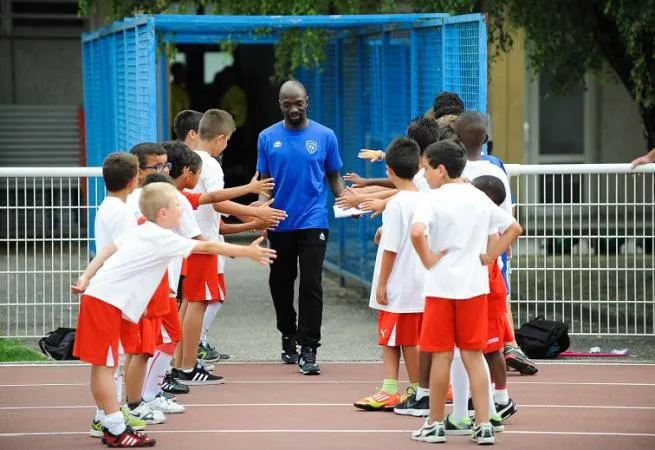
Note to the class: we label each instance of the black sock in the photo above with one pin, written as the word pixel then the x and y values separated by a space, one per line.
pixel 132 406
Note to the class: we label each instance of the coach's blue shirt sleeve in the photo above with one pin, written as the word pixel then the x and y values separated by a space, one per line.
pixel 262 155
pixel 332 158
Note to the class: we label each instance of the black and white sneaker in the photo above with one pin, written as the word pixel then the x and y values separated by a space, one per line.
pixel 198 377
pixel 413 407
pixel 307 363
pixel 506 411
pixel 289 350
pixel 462 427
pixel 483 434
pixel 172 386
pixel 433 433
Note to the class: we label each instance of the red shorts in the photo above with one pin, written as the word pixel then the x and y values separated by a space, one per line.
pixel 399 329
pixel 141 338
pixel 97 338
pixel 171 328
pixel 498 332
pixel 497 298
pixel 448 322
pixel 201 280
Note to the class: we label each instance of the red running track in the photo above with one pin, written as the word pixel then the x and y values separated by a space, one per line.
pixel 270 406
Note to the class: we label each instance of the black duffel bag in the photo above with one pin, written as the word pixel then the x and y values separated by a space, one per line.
pixel 541 338
pixel 58 344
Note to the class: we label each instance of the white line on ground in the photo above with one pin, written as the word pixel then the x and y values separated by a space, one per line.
pixel 558 433
pixel 318 381
pixel 268 405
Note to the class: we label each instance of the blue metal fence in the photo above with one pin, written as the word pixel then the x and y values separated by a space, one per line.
pixel 383 80
pixel 380 72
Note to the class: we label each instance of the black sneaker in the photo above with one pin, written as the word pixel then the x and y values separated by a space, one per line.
pixel 289 350
pixel 463 427
pixel 483 434
pixel 413 407
pixel 506 411
pixel 307 362
pixel 168 395
pixel 171 386
pixel 198 376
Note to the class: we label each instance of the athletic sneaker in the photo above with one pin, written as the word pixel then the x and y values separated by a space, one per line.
pixel 516 359
pixel 209 367
pixel 127 439
pixel 434 432
pixel 159 403
pixel 198 376
pixel 413 407
pixel 483 434
pixel 506 411
pixel 289 350
pixel 462 427
pixel 380 401
pixel 96 429
pixel 497 422
pixel 131 421
pixel 175 373
pixel 208 353
pixel 307 362
pixel 144 413
pixel 171 386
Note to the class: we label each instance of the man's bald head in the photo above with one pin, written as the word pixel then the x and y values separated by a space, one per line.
pixel 292 88
pixel 293 103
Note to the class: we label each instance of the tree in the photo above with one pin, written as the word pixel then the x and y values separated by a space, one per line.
pixel 568 38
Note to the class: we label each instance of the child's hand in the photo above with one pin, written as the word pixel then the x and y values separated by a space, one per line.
pixel 434 258
pixel 349 199
pixel 378 236
pixel 271 216
pixel 80 286
pixel 376 205
pixel 381 295
pixel 355 179
pixel 261 255
pixel 485 260
pixel 262 187
pixel 640 161
pixel 371 155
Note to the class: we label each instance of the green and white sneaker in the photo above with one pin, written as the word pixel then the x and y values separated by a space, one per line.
pixel 496 421
pixel 434 433
pixel 134 422
pixel 483 434
pixel 462 427
pixel 96 429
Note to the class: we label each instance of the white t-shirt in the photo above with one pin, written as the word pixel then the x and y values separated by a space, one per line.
pixel 130 276
pixel 187 228
pixel 113 219
pixel 420 182
pixel 459 218
pixel 133 202
pixel 211 179
pixel 405 284
pixel 476 169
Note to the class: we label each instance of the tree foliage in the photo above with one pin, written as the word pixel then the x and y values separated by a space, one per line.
pixel 567 38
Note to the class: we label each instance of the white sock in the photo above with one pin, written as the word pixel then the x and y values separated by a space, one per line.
pixel 501 396
pixel 118 380
pixel 459 381
pixel 114 422
pixel 208 320
pixel 490 397
pixel 422 392
pixel 100 414
pixel 155 372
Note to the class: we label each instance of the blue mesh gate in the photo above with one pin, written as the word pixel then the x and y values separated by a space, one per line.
pixel 380 71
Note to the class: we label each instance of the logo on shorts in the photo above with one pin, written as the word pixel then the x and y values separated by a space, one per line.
pixel 311 146
pixel 277 144
pixel 383 332
pixel 321 236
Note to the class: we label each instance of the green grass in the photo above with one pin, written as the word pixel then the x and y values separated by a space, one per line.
pixel 15 350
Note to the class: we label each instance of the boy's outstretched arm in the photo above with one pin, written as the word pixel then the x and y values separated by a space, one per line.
pixel 95 264
pixel 260 187
pixel 254 251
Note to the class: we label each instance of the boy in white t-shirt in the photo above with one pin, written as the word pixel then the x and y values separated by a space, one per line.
pixel 396 289
pixel 113 219
pixel 119 282
pixel 457 219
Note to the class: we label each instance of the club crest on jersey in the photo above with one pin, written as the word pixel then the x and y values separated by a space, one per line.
pixel 311 146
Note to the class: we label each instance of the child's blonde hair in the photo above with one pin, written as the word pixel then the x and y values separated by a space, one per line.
pixel 154 197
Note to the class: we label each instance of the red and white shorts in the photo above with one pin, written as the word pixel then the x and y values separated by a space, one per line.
pixel 499 332
pixel 399 329
pixel 141 338
pixel 171 328
pixel 449 322
pixel 97 338
pixel 202 282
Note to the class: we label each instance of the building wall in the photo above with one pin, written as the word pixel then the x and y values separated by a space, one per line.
pixel 506 102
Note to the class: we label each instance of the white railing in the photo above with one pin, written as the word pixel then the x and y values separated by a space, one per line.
pixel 586 257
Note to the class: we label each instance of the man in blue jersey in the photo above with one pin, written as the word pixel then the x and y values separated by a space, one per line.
pixel 303 157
